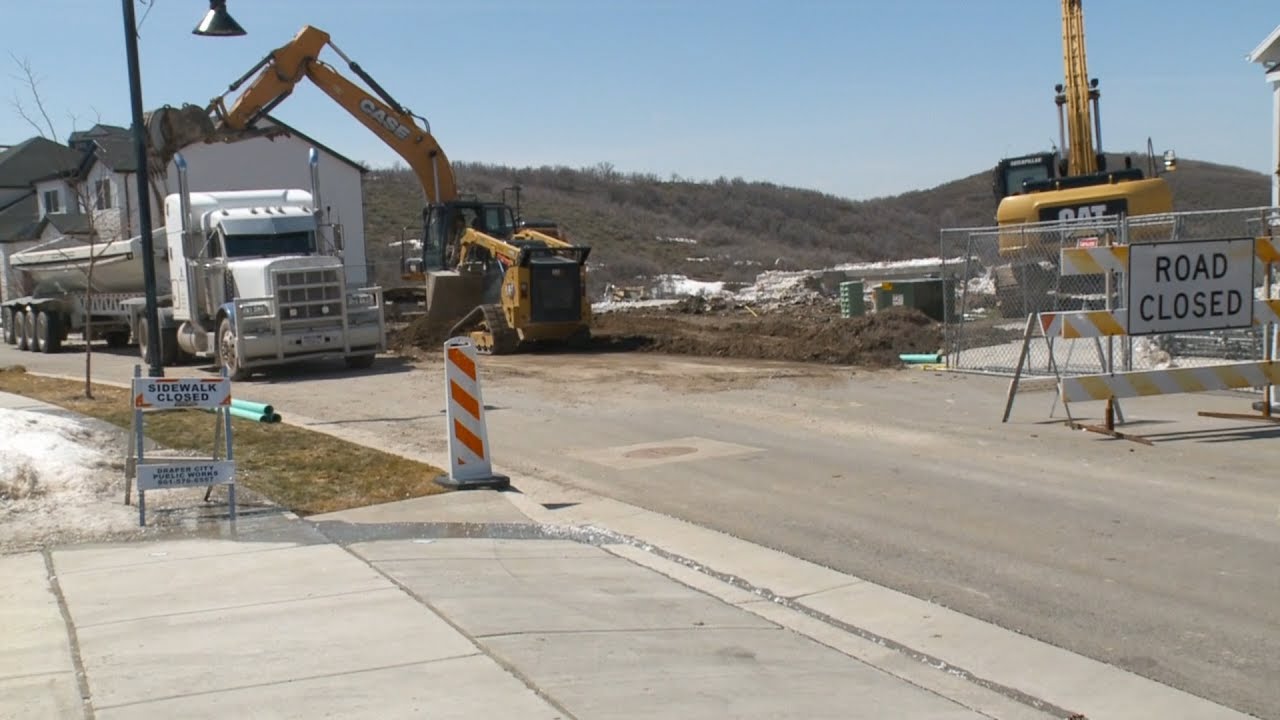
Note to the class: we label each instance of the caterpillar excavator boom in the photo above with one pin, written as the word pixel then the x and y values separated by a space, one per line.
pixel 500 283
pixel 1071 184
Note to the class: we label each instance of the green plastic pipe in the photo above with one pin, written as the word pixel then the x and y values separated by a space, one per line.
pixel 251 415
pixel 259 408
pixel 919 358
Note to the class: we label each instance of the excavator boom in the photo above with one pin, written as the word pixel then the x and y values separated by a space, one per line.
pixel 515 285
pixel 1081 159
pixel 299 59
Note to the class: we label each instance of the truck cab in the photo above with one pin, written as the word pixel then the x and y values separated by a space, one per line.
pixel 255 283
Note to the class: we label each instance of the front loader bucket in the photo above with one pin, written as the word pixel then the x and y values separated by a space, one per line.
pixel 452 295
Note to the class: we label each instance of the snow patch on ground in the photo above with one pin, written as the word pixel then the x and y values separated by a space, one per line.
pixel 60 478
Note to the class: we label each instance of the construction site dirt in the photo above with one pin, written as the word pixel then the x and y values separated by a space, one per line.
pixel 697 327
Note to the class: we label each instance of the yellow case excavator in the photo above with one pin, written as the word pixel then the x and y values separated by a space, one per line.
pixel 481 271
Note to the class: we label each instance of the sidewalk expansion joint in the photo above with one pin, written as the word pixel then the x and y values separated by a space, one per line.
pixel 304 678
pixel 612 631
pixel 480 646
pixel 73 640
pixel 224 608
pixel 161 559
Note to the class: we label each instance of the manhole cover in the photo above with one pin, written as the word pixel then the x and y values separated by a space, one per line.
pixel 657 453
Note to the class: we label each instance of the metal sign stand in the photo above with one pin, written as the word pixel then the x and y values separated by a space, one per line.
pixel 159 394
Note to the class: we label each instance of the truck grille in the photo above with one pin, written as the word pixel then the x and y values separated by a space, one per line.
pixel 309 295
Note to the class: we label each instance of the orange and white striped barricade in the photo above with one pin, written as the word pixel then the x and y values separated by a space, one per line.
pixel 470 463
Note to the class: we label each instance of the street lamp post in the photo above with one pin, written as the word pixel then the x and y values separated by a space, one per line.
pixel 218 23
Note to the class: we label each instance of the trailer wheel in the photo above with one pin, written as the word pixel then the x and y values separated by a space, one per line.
pixel 117 340
pixel 168 344
pixel 227 352
pixel 6 317
pixel 48 333
pixel 20 330
pixel 29 331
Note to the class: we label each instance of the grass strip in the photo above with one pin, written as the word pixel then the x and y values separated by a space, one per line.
pixel 305 471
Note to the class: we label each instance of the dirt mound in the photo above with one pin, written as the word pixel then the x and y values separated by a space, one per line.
pixel 714 327
pixel 812 334
pixel 421 334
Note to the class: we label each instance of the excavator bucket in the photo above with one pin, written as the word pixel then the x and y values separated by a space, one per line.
pixel 170 129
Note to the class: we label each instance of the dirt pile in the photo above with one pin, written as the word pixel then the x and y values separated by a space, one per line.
pixel 715 326
pixel 421 334
pixel 807 334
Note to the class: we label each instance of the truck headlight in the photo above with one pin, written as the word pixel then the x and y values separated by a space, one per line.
pixel 253 310
pixel 360 300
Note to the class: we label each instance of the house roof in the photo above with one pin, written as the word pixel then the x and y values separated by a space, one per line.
pixel 65 223
pixel 303 136
pixel 1268 52
pixel 18 219
pixel 109 144
pixel 36 159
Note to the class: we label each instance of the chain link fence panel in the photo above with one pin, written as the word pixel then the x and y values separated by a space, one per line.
pixel 1015 271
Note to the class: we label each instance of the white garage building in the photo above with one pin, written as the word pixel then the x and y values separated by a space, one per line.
pixel 1268 55
pixel 281 162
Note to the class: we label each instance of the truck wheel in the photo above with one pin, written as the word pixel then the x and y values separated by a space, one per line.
pixel 48 332
pixel 227 351
pixel 6 317
pixel 169 346
pixel 359 362
pixel 143 332
pixel 29 331
pixel 20 330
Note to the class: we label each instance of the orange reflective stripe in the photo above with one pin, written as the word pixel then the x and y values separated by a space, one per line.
pixel 468 438
pixel 464 363
pixel 464 399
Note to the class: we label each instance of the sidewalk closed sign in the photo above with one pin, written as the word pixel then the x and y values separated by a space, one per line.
pixel 174 393
pixel 1190 286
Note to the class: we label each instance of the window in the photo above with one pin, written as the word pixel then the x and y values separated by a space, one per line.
pixel 52 202
pixel 261 245
pixel 102 191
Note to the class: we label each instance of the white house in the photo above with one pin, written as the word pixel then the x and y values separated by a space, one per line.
pixel 21 166
pixel 106 185
pixel 1267 54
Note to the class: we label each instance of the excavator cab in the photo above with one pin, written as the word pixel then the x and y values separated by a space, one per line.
pixel 446 223
pixel 1012 175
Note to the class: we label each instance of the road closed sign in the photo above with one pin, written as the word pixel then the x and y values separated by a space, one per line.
pixel 1190 286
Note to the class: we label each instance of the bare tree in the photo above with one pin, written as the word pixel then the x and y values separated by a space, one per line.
pixel 85 194
pixel 27 77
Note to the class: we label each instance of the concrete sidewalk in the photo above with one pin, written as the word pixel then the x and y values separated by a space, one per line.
pixel 406 623
pixel 544 602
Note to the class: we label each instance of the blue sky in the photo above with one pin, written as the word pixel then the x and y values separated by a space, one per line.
pixel 858 98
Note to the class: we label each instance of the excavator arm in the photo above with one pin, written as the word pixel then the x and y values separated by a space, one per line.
pixel 1078 93
pixel 273 80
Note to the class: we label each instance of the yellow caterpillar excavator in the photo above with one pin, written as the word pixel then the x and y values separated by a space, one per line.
pixel 497 281
pixel 1047 187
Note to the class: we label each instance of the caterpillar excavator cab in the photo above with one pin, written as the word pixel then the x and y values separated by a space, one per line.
pixel 481 271
pixel 1073 185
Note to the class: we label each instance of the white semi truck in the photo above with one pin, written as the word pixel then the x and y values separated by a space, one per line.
pixel 254 280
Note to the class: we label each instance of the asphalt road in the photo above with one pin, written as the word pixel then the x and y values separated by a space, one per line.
pixel 1161 560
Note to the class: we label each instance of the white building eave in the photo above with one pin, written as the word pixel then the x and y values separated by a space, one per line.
pixel 1268 52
